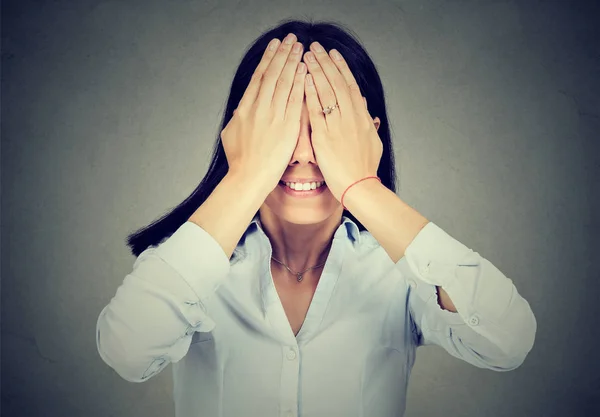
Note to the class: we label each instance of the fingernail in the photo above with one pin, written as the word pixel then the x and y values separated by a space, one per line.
pixel 273 44
pixel 310 57
pixel 317 47
pixel 289 39
pixel 297 48
pixel 336 55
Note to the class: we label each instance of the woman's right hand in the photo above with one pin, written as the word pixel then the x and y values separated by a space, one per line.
pixel 260 138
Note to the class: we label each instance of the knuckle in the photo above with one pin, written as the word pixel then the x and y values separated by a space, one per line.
pixel 239 114
pixel 224 135
pixel 281 81
pixel 255 108
pixel 338 84
pixel 256 77
pixel 268 75
pixel 292 60
pixel 353 87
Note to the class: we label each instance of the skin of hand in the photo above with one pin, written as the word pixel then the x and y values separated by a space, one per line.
pixel 345 142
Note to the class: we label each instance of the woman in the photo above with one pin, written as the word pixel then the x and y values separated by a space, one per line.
pixel 293 281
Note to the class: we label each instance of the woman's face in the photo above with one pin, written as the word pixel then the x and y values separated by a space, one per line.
pixel 303 207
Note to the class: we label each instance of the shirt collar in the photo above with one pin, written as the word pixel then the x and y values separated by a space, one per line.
pixel 347 230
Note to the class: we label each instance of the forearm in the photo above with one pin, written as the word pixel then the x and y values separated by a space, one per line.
pixel 150 320
pixel 228 211
pixel 161 303
pixel 392 222
pixel 482 318
pixel 493 327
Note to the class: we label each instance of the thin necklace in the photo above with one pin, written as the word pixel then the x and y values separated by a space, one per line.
pixel 298 274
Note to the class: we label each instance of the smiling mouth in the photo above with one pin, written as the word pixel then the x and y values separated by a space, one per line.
pixel 321 184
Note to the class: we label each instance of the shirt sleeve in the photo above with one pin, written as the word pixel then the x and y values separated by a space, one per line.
pixel 150 321
pixel 494 326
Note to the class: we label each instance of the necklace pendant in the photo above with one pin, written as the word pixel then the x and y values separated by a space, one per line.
pixel 299 277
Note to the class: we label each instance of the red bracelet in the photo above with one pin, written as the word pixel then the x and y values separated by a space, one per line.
pixel 366 178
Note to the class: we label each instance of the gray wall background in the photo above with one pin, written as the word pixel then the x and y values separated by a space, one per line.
pixel 109 112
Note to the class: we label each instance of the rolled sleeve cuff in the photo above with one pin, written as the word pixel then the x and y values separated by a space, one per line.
pixel 433 255
pixel 429 296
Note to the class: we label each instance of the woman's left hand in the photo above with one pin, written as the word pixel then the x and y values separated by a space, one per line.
pixel 345 142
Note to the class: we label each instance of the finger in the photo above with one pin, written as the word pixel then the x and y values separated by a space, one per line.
pixel 271 77
pixel 251 92
pixel 294 105
pixel 334 79
pixel 315 111
pixel 352 85
pixel 286 80
pixel 325 93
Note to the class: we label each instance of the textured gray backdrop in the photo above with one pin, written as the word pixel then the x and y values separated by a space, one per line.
pixel 109 112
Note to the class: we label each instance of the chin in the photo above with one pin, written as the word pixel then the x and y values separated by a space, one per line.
pixel 300 219
pixel 303 212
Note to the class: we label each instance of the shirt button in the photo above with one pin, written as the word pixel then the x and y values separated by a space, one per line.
pixel 474 320
pixel 424 269
pixel 291 355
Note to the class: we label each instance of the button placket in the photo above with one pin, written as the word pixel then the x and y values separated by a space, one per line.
pixel 290 375
pixel 291 354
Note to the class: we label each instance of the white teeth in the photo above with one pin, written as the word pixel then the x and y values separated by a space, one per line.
pixel 304 187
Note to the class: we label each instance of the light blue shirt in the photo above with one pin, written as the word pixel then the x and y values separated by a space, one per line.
pixel 221 324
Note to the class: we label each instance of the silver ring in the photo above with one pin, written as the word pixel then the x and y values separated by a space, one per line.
pixel 329 109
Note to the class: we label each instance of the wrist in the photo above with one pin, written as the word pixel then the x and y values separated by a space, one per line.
pixel 358 183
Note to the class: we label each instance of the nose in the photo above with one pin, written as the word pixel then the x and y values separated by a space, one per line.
pixel 304 153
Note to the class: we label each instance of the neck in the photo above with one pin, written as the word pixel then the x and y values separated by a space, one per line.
pixel 299 246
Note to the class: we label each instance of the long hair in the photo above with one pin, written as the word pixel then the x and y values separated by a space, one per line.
pixel 330 35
